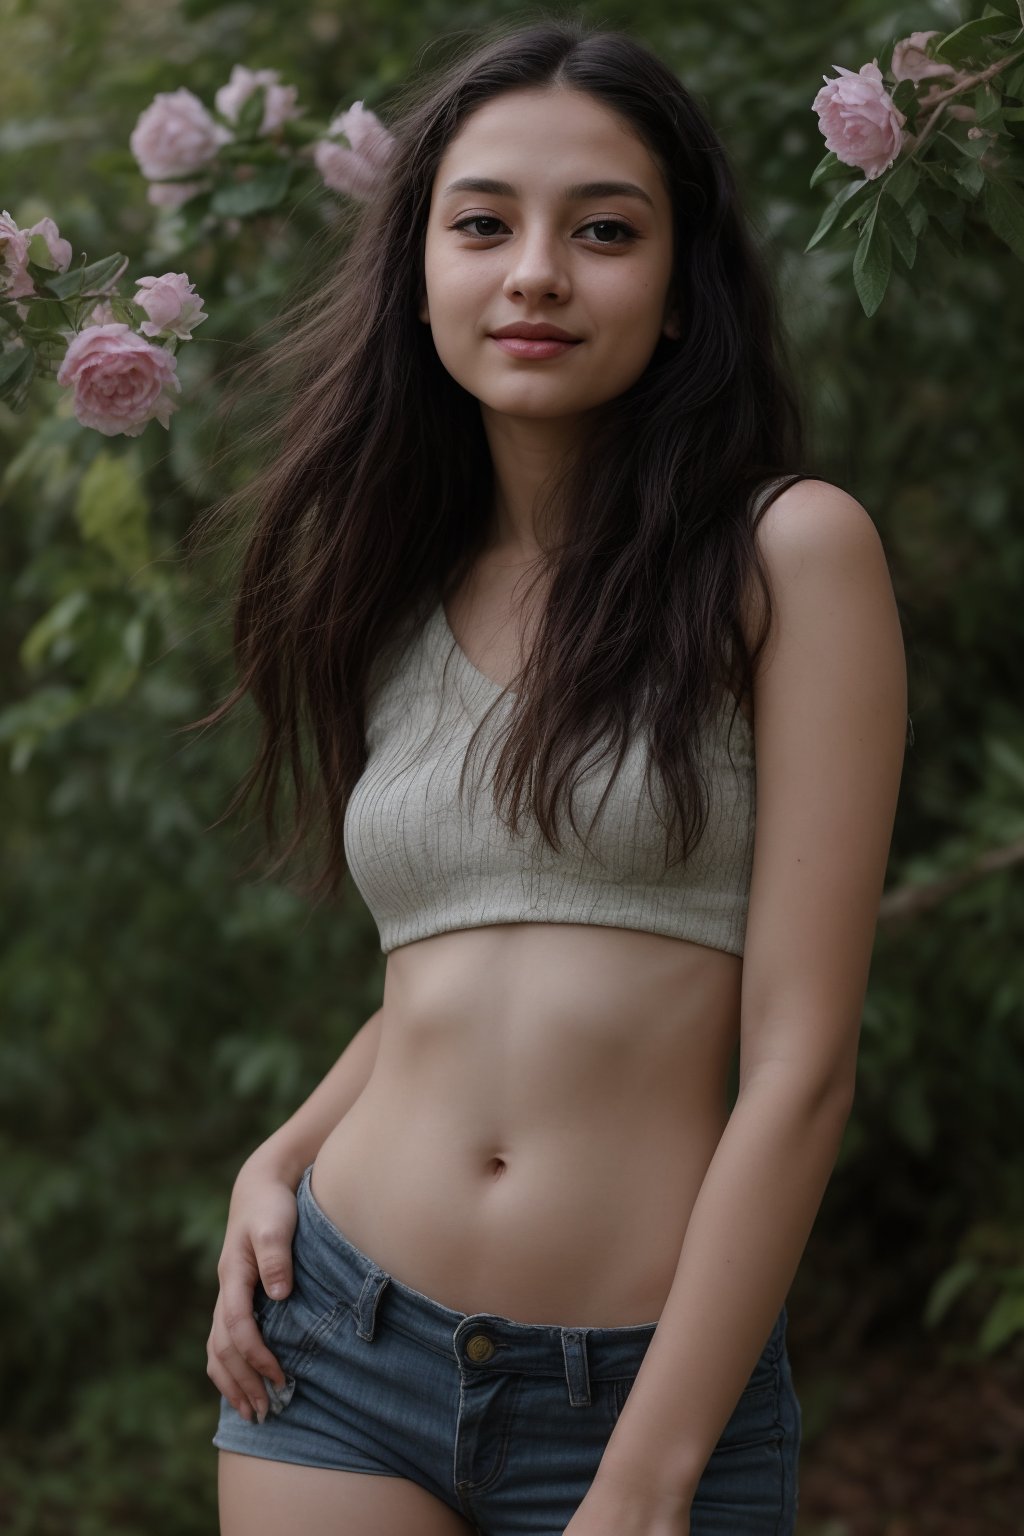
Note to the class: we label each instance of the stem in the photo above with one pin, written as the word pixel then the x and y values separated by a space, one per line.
pixel 938 102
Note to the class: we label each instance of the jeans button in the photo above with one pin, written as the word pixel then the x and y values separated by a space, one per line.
pixel 479 1348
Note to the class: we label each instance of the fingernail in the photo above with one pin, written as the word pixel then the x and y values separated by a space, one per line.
pixel 261 1411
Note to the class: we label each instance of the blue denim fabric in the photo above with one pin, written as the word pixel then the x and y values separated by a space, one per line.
pixel 504 1421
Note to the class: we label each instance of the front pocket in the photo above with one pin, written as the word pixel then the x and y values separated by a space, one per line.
pixel 754 1419
pixel 296 1328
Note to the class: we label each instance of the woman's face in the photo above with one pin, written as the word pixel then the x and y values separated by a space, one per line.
pixel 592 260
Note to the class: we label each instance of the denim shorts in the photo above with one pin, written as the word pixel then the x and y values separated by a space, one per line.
pixel 505 1422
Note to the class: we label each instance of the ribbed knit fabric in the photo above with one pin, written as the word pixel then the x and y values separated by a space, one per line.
pixel 426 864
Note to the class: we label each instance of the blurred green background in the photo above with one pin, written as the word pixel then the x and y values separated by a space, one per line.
pixel 163 1012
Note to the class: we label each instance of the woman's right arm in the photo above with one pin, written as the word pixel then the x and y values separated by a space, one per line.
pixel 261 1225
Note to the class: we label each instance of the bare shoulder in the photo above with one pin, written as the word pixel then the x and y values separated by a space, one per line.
pixel 810 522
pixel 815 510
pixel 834 623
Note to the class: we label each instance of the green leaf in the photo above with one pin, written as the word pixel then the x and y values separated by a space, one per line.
pixel 1005 758
pixel 25 723
pixel 250 118
pixel 1004 1320
pixel 830 167
pixel 46 340
pixel 849 197
pixel 857 204
pixel 971 178
pixel 266 189
pixel 963 43
pixel 987 105
pixel 902 181
pixel 825 223
pixel 17 366
pixel 53 632
pixel 95 279
pixel 908 274
pixel 972 149
pixel 904 94
pixel 946 212
pixel 898 225
pixel 111 508
pixel 950 1284
pixel 1003 206
pixel 251 152
pixel 111 652
pixel 872 262
pixel 917 216
pixel 883 57
pixel 47 314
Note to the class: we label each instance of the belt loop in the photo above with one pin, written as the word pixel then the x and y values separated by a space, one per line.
pixel 577 1376
pixel 365 1306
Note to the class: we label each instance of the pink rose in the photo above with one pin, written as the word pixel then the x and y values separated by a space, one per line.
pixel 356 171
pixel 59 248
pixel 911 62
pixel 120 381
pixel 857 117
pixel 175 134
pixel 278 104
pixel 15 282
pixel 171 303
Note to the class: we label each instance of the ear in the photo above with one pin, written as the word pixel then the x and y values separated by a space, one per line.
pixel 423 311
pixel 671 326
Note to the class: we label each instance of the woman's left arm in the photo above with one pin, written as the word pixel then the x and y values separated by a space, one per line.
pixel 830 703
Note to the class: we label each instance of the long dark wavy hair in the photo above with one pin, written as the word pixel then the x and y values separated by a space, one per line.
pixel 368 508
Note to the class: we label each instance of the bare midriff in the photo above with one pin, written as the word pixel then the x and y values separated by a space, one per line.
pixel 543 1108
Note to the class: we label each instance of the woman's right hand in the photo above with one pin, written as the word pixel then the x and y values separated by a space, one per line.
pixel 257 1246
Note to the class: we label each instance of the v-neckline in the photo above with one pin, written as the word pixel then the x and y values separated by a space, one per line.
pixel 464 659
pixel 727 701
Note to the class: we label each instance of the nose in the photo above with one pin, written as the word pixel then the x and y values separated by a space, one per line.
pixel 536 268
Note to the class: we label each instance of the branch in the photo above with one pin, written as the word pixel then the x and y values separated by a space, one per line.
pixel 937 101
pixel 911 900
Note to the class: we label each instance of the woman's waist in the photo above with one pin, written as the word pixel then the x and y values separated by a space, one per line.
pixel 564 1219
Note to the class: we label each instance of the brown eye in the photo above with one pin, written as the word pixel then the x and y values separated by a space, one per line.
pixel 479 218
pixel 613 224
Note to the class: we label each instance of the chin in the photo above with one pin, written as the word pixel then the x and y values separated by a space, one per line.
pixel 552 409
pixel 543 396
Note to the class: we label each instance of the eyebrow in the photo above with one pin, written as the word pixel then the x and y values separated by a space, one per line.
pixel 578 190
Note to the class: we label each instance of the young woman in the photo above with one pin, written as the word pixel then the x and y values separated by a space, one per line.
pixel 542 608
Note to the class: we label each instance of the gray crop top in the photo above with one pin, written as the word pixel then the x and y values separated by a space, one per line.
pixel 425 864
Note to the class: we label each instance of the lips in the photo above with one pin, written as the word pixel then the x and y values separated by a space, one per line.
pixel 534 346
pixel 529 331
